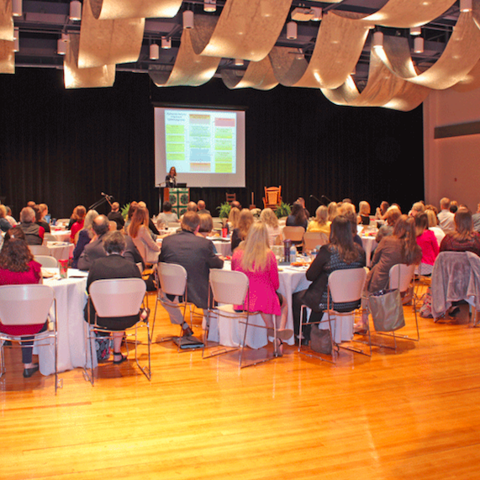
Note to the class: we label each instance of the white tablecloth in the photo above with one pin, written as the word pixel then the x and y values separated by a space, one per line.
pixel 71 297
pixel 369 243
pixel 60 250
pixel 61 235
pixel 230 332
pixel 224 248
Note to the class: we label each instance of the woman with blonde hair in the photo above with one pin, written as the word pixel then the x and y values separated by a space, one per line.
pixel 332 211
pixel 433 225
pixel 364 213
pixel 320 223
pixel 140 234
pixel 270 220
pixel 233 218
pixel 254 258
pixel 84 236
pixel 245 221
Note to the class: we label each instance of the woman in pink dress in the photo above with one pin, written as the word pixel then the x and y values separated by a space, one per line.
pixel 254 258
pixel 17 267
pixel 427 241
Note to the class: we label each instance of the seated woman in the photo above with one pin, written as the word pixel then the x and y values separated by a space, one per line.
pixel 233 218
pixel 40 212
pixel 392 215
pixel 400 247
pixel 84 236
pixel 79 215
pixel 254 258
pixel 131 210
pixel 140 234
pixel 270 220
pixel 239 234
pixel 433 224
pixel 297 217
pixel 427 242
pixel 206 227
pixel 364 213
pixel 167 216
pixel 17 267
pixel 4 223
pixel 114 265
pixel 332 211
pixel 340 254
pixel 320 223
pixel 463 238
pixel 382 210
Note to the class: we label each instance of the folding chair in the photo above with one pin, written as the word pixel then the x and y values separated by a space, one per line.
pixel 116 297
pixel 312 240
pixel 46 261
pixel 29 305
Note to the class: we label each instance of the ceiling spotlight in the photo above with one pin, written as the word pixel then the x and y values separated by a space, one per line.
pixel 418 45
pixel 187 19
pixel 210 5
pixel 154 52
pixel 465 6
pixel 291 30
pixel 75 10
pixel 166 42
pixel 317 14
pixel 239 62
pixel 17 8
pixel 61 46
pixel 377 40
pixel 415 31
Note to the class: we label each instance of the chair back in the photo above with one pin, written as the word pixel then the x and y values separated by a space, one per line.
pixel 117 297
pixel 46 261
pixel 347 285
pixel 295 234
pixel 272 196
pixel 173 278
pixel 314 239
pixel 25 304
pixel 400 276
pixel 229 287
pixel 39 250
pixel 231 197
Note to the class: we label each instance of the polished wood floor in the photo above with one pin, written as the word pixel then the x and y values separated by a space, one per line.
pixel 413 414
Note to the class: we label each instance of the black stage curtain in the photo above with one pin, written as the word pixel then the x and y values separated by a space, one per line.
pixel 65 147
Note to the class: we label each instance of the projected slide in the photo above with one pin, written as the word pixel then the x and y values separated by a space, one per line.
pixel 207 147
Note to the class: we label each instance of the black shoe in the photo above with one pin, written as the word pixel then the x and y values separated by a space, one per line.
pixel 186 332
pixel 122 358
pixel 28 372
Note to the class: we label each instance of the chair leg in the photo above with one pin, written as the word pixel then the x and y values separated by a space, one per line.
pixel 2 361
pixel 147 371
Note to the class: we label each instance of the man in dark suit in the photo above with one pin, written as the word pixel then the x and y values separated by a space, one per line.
pixel 116 216
pixel 196 255
pixel 95 249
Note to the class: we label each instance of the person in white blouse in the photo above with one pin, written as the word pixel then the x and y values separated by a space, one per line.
pixel 269 218
pixel 138 231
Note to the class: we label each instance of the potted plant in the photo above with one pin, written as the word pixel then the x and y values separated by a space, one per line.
pixel 283 210
pixel 224 210
pixel 125 210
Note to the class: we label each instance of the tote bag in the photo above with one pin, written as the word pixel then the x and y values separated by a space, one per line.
pixel 387 310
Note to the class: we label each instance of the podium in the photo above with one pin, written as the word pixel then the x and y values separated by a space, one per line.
pixel 179 198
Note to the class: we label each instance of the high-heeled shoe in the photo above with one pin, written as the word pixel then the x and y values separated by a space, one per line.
pixel 279 350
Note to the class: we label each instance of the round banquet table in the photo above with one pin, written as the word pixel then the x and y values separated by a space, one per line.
pixel 61 235
pixel 230 332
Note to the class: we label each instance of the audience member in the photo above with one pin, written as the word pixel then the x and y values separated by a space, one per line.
pixel 301 201
pixel 131 210
pixel 236 204
pixel 201 207
pixel 79 215
pixel 196 255
pixel 453 206
pixel 140 234
pixel 270 220
pixel 364 213
pixel 254 258
pixel 332 211
pixel 113 265
pixel 382 210
pixel 445 216
pixel 297 217
pixel 476 219
pixel 233 218
pixel 33 232
pixel 427 242
pixel 239 234
pixel 9 217
pixel 205 228
pixel 392 215
pixel 116 215
pixel 320 222
pixel 4 223
pixel 39 220
pixel 151 226
pixel 167 216
pixel 84 236
pixel 433 225
pixel 463 238
pixel 17 267
pixel 417 209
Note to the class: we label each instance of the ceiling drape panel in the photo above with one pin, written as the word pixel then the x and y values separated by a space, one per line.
pixel 383 89
pixel 106 42
pixel 7 57
pixel 113 9
pixel 408 13
pixel 338 47
pixel 6 20
pixel 460 56
pixel 245 29
pixel 189 70
pixel 259 75
pixel 471 81
pixel 75 77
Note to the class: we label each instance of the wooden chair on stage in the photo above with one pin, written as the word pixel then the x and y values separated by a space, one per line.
pixel 272 197
pixel 231 197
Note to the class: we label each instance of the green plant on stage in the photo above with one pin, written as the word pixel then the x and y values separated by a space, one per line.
pixel 283 210
pixel 125 210
pixel 224 210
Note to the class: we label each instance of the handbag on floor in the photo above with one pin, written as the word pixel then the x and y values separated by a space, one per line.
pixel 321 340
pixel 387 310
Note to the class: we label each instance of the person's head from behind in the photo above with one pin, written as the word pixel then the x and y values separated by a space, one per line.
pixel 332 211
pixel 432 218
pixel 15 232
pixel 445 203
pixel 100 225
pixel 114 243
pixel 421 223
pixel 233 216
pixel 131 210
pixel 404 226
pixel 201 205
pixel 139 219
pixel 115 207
pixel 89 218
pixel 364 208
pixel 190 221
pixel 352 218
pixel 167 207
pixel 321 215
pixel 191 207
pixel 417 209
pixel 38 213
pixel 245 221
pixel 79 213
pixel 297 209
pixel 27 215
pixel 269 218
pixel 43 209
pixel 341 236
pixel 453 206
pixel 346 207
pixel 206 224
pixel 236 204
pixel 31 204
pixel 393 214
pixel 15 255
pixel 384 207
pixel 3 211
pixel 463 222
pixel 255 247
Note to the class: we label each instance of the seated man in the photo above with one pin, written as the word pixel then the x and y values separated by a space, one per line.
pixel 196 255
pixel 445 216
pixel 95 249
pixel 202 208
pixel 167 216
pixel 33 232
pixel 116 216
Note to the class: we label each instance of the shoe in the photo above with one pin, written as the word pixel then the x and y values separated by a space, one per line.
pixel 279 352
pixel 187 332
pixel 28 372
pixel 122 359
pixel 144 314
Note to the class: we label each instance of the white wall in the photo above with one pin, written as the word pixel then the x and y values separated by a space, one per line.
pixel 452 165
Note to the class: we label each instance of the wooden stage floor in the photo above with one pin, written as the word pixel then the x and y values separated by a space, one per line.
pixel 413 414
